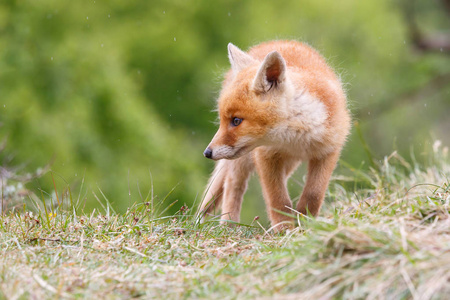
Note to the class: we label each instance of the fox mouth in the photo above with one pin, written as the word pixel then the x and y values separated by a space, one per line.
pixel 226 152
pixel 241 151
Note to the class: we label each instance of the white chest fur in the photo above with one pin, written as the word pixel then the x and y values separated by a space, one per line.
pixel 303 128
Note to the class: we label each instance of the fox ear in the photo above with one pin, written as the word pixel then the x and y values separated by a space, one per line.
pixel 272 73
pixel 239 60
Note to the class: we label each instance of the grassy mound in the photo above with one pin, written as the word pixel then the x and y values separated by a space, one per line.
pixel 390 239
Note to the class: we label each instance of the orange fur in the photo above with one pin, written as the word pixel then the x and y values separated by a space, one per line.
pixel 290 108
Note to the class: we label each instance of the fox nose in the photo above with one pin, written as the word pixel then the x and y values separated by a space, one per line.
pixel 208 153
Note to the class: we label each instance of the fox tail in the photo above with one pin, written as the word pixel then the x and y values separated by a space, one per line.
pixel 213 195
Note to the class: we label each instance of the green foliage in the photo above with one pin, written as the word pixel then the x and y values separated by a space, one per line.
pixel 111 91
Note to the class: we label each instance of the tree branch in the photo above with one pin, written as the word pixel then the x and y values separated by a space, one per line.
pixel 435 43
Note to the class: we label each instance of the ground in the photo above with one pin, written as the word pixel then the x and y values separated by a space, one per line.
pixel 388 236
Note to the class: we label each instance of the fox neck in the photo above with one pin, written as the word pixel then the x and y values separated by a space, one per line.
pixel 303 123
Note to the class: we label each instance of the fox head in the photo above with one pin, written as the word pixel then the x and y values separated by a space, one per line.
pixel 249 104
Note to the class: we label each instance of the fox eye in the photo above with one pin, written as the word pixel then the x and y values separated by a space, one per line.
pixel 236 121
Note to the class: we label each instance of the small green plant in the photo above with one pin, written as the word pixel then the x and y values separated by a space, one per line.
pixel 14 194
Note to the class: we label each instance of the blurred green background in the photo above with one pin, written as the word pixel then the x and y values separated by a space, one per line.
pixel 121 93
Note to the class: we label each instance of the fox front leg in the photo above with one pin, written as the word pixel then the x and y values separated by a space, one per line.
pixel 271 169
pixel 235 185
pixel 319 174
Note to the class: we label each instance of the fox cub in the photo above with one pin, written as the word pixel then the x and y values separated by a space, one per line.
pixel 280 104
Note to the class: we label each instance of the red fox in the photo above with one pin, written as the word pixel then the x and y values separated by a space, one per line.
pixel 280 104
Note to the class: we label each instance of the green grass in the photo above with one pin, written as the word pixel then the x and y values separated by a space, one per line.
pixel 387 237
